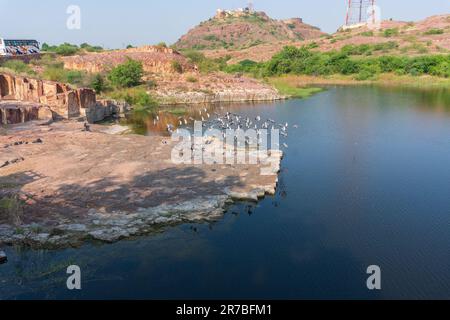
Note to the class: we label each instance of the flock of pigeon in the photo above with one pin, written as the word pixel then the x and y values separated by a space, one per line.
pixel 232 121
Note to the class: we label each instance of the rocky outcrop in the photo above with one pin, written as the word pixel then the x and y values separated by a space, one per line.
pixel 155 59
pixel 230 95
pixel 24 99
pixel 20 112
pixel 64 101
pixel 104 109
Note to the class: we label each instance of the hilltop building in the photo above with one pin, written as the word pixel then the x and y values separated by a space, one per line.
pixel 240 12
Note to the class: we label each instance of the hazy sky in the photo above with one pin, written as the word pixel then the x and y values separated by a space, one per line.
pixel 116 23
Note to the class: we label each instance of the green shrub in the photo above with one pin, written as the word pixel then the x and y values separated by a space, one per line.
pixel 98 83
pixel 54 74
pixel 312 45
pixel 195 56
pixel 386 46
pixel 303 61
pixel 364 75
pixel 204 64
pixel 177 67
pixel 74 77
pixel 137 96
pixel 434 31
pixel 244 66
pixel 128 74
pixel 388 33
pixel 367 34
pixel 191 79
pixel 210 37
pixel 18 66
pixel 90 48
pixel 67 49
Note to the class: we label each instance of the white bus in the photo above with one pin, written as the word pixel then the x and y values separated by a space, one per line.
pixel 11 48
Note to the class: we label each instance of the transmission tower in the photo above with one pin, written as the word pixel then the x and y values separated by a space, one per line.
pixel 360 11
pixel 250 6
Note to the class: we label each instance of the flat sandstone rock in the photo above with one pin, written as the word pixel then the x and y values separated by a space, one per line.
pixel 77 185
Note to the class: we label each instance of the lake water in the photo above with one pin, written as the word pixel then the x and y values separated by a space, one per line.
pixel 365 181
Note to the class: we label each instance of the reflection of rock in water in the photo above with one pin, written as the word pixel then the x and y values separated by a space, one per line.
pixel 181 116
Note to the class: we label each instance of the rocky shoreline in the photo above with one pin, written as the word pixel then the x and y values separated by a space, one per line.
pixel 126 188
pixel 227 96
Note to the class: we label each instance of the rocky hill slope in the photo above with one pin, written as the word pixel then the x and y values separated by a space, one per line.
pixel 155 59
pixel 174 78
pixel 244 29
pixel 429 36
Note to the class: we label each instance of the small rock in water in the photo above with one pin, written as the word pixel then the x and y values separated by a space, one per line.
pixel 3 258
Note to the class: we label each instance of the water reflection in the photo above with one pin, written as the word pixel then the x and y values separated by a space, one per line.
pixel 156 122
pixel 365 181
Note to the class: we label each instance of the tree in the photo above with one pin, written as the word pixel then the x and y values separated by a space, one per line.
pixel 98 83
pixel 128 74
pixel 67 49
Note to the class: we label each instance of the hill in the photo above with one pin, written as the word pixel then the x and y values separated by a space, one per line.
pixel 429 36
pixel 243 29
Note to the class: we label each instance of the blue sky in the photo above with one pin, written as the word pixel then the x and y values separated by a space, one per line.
pixel 116 23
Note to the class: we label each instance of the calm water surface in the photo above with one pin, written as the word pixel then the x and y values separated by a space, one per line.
pixel 366 180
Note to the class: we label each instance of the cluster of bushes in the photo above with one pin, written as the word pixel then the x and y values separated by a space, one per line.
pixel 302 61
pixel 124 82
pixel 67 49
pixel 127 75
pixel 244 66
pixel 136 96
pixel 434 31
pixel 388 33
pixel 206 65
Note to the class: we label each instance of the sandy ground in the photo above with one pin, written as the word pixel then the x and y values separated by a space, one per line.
pixel 69 180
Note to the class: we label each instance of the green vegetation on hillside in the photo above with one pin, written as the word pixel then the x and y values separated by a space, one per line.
pixel 350 60
pixel 18 66
pixel 67 49
pixel 206 65
pixel 434 31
